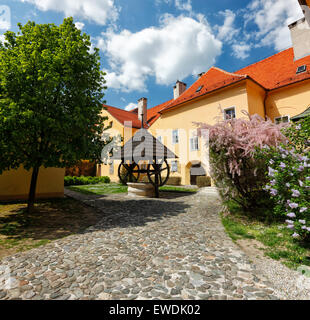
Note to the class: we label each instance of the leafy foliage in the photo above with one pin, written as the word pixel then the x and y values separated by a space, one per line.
pixel 234 167
pixel 289 178
pixel 77 181
pixel 51 91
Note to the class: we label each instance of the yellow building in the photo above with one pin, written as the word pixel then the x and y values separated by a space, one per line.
pixel 277 87
pixel 15 184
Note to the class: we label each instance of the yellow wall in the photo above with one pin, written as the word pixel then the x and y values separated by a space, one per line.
pixel 207 110
pixel 15 184
pixel 116 129
pixel 256 97
pixel 244 96
pixel 288 101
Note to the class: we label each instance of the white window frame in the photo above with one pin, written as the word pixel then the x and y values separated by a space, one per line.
pixel 280 118
pixel 194 143
pixel 230 108
pixel 174 166
pixel 175 141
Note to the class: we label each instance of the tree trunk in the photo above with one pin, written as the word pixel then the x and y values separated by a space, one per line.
pixel 32 191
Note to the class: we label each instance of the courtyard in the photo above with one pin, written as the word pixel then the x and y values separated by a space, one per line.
pixel 167 248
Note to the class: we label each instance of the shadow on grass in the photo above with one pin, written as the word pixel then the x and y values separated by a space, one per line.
pixel 51 219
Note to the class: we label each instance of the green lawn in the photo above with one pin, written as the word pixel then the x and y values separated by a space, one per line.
pixel 100 189
pixel 109 188
pixel 279 244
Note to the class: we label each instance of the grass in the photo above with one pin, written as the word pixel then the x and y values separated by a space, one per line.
pixel 51 219
pixel 100 189
pixel 110 188
pixel 277 240
pixel 178 189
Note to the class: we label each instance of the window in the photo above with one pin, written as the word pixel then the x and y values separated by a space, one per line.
pixel 282 119
pixel 174 166
pixel 175 136
pixel 159 138
pixel 199 89
pixel 301 69
pixel 229 113
pixel 194 143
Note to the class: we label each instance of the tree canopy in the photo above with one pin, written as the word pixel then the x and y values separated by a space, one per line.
pixel 51 91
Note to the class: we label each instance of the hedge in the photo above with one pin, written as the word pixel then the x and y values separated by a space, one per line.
pixel 76 181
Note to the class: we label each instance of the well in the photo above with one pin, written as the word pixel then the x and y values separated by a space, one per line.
pixel 140 189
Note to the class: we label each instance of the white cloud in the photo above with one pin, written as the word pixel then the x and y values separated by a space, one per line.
pixel 158 2
pixel 179 47
pixel 5 17
pixel 241 51
pixel 184 5
pixel 80 25
pixel 93 10
pixel 271 18
pixel 227 31
pixel 131 106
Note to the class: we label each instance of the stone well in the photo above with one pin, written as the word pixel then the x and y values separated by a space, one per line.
pixel 140 189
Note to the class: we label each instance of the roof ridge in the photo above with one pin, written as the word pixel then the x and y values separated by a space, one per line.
pixel 119 108
pixel 229 73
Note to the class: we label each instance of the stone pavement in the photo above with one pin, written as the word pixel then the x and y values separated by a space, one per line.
pixel 169 248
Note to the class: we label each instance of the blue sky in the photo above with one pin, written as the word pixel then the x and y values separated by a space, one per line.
pixel 146 45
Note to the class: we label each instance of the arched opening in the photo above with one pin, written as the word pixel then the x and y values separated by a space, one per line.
pixel 195 169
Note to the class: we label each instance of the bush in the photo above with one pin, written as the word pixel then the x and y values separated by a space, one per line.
pixel 203 181
pixel 289 178
pixel 234 168
pixel 76 181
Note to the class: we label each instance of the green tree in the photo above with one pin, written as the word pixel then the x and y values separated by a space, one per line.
pixel 51 91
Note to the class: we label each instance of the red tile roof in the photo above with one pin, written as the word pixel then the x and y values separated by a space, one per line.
pixel 278 70
pixel 154 113
pixel 123 115
pixel 212 80
pixel 271 73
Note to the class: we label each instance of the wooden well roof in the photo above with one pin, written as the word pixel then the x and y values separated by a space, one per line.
pixel 143 146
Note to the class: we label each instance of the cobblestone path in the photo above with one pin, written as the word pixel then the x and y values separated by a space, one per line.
pixel 169 248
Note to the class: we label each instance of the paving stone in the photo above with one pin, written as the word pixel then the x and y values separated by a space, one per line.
pixel 174 247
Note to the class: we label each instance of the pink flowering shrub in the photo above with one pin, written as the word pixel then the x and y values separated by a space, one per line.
pixel 233 145
pixel 289 178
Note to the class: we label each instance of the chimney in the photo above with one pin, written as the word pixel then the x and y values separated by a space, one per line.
pixel 201 74
pixel 300 34
pixel 305 7
pixel 142 111
pixel 178 89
